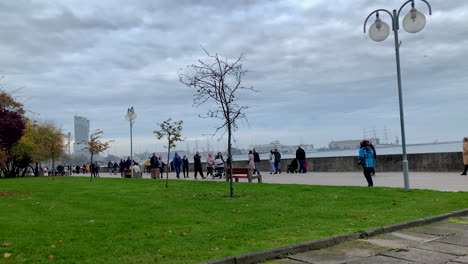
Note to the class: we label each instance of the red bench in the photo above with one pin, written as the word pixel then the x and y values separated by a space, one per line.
pixel 242 173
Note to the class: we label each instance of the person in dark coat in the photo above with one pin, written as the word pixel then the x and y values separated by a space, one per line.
pixel 128 163
pixel 121 167
pixel 177 162
pixel 301 158
pixel 197 166
pixel 256 162
pixel 185 166
pixel 277 161
pixel 154 161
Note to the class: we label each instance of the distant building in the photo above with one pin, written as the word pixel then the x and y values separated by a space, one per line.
pixel 350 144
pixel 81 133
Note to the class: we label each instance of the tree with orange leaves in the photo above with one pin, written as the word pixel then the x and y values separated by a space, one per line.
pixel 94 144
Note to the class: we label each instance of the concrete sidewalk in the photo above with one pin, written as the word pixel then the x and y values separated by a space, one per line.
pixel 441 242
pixel 441 181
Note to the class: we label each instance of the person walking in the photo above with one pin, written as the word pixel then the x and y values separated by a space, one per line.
pixel 366 157
pixel 177 163
pixel 465 155
pixel 185 166
pixel 154 164
pixel 209 165
pixel 110 167
pixel 116 167
pixel 197 166
pixel 301 158
pixel 272 162
pixel 121 168
pixel 251 162
pixel 277 161
pixel 256 162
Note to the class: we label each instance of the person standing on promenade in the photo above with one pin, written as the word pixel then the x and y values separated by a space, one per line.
pixel 301 158
pixel 256 162
pixel 209 165
pixel 465 155
pixel 110 167
pixel 251 162
pixel 161 166
pixel 366 156
pixel 197 167
pixel 272 162
pixel 277 161
pixel 154 164
pixel 177 162
pixel 185 166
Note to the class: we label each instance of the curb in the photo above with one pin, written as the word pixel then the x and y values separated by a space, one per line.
pixel 273 253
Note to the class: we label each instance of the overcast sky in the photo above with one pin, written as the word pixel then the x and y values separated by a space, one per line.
pixel 319 76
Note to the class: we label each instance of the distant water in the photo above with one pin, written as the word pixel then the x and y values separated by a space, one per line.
pixel 433 148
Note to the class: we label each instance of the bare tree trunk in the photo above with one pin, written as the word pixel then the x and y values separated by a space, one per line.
pixel 231 183
pixel 168 163
pixel 91 167
pixel 53 169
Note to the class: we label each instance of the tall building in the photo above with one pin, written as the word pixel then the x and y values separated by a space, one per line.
pixel 81 133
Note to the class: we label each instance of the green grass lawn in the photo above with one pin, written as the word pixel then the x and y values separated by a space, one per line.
pixel 140 221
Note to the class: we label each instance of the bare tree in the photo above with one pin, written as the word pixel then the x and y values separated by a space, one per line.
pixel 220 81
pixel 95 146
pixel 170 130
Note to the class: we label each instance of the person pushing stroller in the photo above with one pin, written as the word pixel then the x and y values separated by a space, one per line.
pixel 219 166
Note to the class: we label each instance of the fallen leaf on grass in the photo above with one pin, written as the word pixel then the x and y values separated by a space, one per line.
pixel 52 206
pixel 92 221
pixel 394 203
pixel 183 234
pixel 60 241
pixel 6 255
pixel 53 246
pixel 5 244
pixel 215 249
pixel 275 241
pixel 50 257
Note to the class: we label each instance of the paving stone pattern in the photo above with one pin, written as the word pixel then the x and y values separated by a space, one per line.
pixel 441 242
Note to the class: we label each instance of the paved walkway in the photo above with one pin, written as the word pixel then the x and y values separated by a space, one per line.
pixel 442 181
pixel 441 242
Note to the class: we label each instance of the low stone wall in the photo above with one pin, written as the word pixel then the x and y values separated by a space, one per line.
pixel 430 162
pixel 424 162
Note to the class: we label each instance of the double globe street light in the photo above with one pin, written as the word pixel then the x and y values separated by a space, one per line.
pixel 131 116
pixel 413 22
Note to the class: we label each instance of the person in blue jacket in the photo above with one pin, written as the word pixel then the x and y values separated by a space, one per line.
pixel 366 158
pixel 177 162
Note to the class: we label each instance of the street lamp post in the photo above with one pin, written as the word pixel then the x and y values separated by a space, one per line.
pixel 69 154
pixel 413 22
pixel 131 116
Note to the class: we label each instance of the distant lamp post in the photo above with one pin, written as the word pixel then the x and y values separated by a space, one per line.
pixel 69 154
pixel 131 116
pixel 413 22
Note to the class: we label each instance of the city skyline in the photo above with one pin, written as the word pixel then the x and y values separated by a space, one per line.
pixel 320 78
